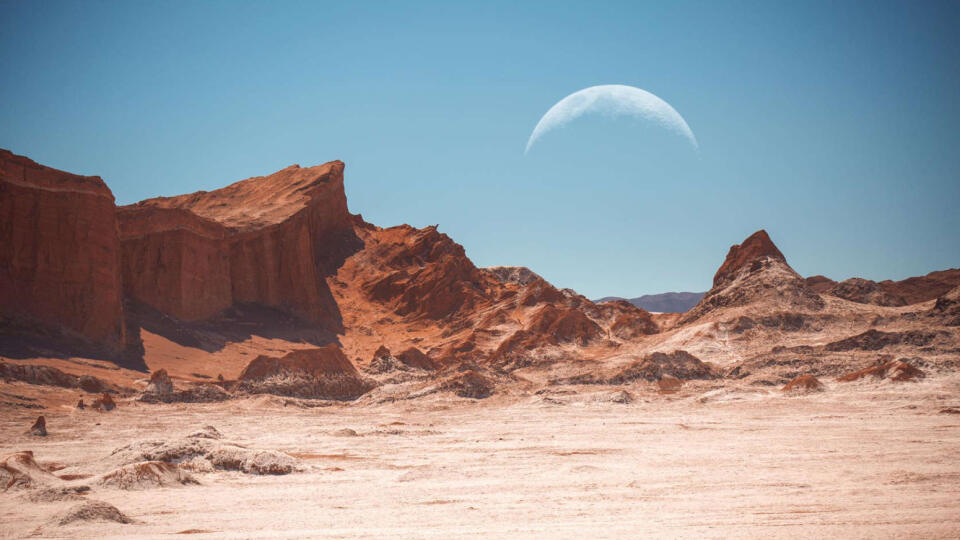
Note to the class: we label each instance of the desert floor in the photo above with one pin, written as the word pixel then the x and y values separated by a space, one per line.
pixel 870 460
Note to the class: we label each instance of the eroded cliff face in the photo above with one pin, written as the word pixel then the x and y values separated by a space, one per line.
pixel 269 240
pixel 175 261
pixel 59 252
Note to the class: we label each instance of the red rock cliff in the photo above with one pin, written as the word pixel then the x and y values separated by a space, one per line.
pixel 59 251
pixel 269 240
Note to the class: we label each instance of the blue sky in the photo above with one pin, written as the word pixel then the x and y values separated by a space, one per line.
pixel 832 125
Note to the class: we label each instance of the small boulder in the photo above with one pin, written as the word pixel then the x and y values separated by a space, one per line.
pixel 414 358
pixel 104 403
pixel 81 405
pixel 39 427
pixel 160 383
pixel 804 384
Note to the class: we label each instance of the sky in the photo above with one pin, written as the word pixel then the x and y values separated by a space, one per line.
pixel 832 125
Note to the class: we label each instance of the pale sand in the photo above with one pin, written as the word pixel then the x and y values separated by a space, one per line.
pixel 866 460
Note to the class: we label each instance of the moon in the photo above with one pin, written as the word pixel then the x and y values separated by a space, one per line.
pixel 612 100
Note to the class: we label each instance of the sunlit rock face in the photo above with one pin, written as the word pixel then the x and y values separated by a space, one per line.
pixel 59 252
pixel 269 240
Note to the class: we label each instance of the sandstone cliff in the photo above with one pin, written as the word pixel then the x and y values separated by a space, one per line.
pixel 268 240
pixel 59 253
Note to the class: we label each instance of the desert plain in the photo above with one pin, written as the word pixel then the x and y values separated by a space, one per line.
pixel 875 460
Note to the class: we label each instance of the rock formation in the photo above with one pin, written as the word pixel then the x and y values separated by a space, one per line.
pixel 39 428
pixel 269 240
pixel 891 293
pixel 59 253
pixel 104 403
pixel 309 373
pixel 894 370
pixel 19 470
pixel 947 308
pixel 865 291
pixel 753 272
pixel 51 376
pixel 160 383
pixel 924 288
pixel 803 384
pixel 147 474
pixel 91 511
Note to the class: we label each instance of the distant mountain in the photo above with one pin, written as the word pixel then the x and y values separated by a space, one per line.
pixel 671 302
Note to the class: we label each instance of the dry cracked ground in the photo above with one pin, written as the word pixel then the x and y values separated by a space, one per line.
pixel 870 459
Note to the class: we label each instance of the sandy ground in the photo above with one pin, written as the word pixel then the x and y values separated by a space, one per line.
pixel 865 460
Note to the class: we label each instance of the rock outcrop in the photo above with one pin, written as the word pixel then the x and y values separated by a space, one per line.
pixel 864 291
pixel 323 373
pixel 756 272
pixel 924 288
pixel 20 470
pixel 175 261
pixel 819 284
pixel 104 403
pixel 804 384
pixel 947 308
pixel 674 366
pixel 888 292
pixel 60 254
pixel 39 428
pixel 894 370
pixel 51 376
pixel 268 240
pixel 91 511
pixel 147 474
pixel 160 383
pixel 205 454
pixel 422 274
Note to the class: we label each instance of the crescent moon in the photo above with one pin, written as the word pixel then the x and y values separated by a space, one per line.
pixel 613 100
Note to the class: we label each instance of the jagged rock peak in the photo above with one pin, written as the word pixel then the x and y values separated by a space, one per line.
pixel 756 247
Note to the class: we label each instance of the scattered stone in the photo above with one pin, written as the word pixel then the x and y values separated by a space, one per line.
pixel 39 428
pixel 81 405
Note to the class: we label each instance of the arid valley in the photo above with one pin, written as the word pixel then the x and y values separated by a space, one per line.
pixel 256 361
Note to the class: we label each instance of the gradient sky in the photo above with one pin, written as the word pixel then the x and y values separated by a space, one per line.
pixel 832 125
